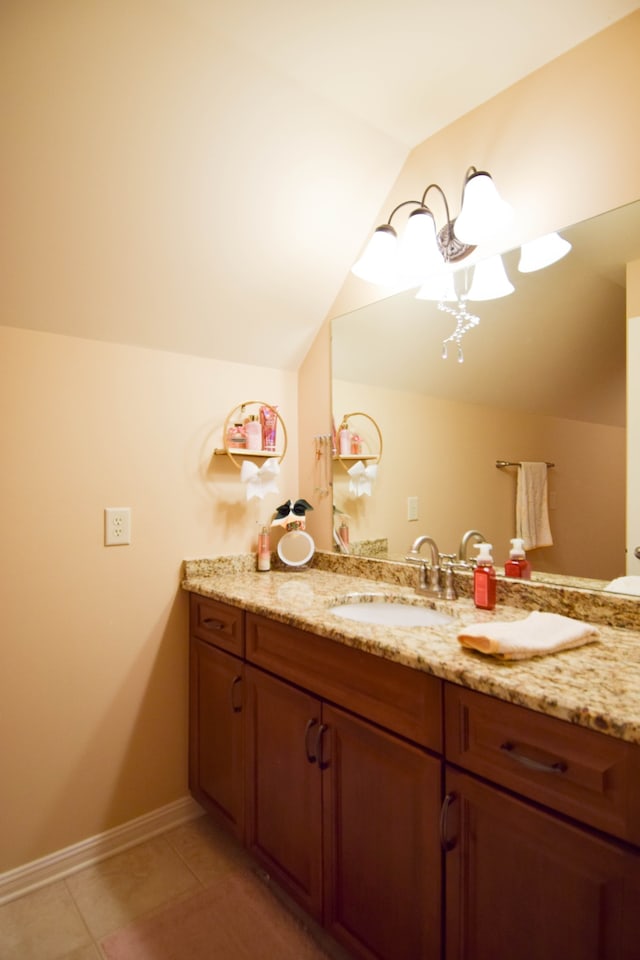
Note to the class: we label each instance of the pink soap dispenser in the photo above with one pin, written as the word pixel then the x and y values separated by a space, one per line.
pixel 484 578
pixel 517 565
pixel 264 549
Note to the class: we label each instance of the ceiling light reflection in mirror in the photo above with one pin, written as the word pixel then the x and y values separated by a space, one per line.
pixel 554 349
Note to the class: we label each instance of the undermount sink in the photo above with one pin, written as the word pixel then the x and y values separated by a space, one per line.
pixel 390 613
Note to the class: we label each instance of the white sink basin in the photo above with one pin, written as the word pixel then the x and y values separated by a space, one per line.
pixel 390 613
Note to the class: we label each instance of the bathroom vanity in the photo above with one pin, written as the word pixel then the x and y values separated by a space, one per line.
pixel 417 799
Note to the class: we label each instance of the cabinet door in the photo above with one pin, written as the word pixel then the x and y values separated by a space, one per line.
pixel 216 733
pixel 523 883
pixel 381 804
pixel 283 793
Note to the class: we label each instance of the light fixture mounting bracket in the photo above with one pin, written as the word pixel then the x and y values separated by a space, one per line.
pixel 450 247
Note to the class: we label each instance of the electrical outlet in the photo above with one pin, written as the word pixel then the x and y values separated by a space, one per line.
pixel 412 508
pixel 117 526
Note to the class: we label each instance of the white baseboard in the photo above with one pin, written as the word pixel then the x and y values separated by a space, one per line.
pixel 15 883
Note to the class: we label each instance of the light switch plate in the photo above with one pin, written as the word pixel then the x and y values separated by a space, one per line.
pixel 412 508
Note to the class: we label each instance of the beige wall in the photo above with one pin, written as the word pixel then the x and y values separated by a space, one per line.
pixel 459 487
pixel 93 683
pixel 633 416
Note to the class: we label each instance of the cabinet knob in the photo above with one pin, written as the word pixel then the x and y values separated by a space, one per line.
pixel 636 553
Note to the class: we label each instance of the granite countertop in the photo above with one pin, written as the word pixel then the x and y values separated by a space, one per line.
pixel 595 686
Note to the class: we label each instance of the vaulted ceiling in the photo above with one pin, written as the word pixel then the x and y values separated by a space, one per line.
pixel 198 175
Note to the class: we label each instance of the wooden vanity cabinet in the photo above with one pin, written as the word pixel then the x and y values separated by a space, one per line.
pixel 330 764
pixel 523 880
pixel 343 813
pixel 216 725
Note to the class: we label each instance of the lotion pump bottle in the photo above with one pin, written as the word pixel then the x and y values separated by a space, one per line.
pixel 484 578
pixel 253 432
pixel 517 565
pixel 344 439
pixel 264 550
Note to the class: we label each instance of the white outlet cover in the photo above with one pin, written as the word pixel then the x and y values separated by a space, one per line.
pixel 412 508
pixel 117 526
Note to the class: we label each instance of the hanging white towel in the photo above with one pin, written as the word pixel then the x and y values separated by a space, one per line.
pixel 535 635
pixel 532 511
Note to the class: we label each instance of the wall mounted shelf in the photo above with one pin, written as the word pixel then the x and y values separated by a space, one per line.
pixel 237 414
pixel 354 457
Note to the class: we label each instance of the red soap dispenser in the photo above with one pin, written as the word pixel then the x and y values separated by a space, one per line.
pixel 484 578
pixel 517 565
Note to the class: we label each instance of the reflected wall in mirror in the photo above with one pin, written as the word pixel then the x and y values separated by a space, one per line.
pixel 544 378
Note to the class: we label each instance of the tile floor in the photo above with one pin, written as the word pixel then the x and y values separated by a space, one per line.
pixel 66 919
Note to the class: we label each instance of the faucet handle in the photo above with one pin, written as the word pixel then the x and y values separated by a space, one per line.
pixel 414 557
pixel 449 583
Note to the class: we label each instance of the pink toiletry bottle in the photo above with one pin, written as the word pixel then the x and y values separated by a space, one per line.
pixel 517 565
pixel 253 432
pixel 484 578
pixel 264 550
pixel 344 439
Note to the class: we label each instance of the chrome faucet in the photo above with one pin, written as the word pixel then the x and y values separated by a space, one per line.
pixel 466 540
pixel 432 587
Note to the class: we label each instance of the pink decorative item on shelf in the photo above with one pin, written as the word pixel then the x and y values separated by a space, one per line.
pixel 269 422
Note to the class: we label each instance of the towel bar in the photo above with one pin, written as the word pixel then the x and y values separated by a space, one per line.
pixel 516 463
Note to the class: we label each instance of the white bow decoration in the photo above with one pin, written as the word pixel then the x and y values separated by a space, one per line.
pixel 260 480
pixel 362 478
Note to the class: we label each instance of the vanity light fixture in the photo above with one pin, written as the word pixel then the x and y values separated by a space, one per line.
pixel 542 252
pixel 422 247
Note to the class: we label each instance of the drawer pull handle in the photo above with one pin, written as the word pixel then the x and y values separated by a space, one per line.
pixel 210 624
pixel 323 764
pixel 236 707
pixel 311 757
pixel 510 748
pixel 447 843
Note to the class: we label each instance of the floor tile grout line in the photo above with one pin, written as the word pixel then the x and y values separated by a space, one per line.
pixel 81 915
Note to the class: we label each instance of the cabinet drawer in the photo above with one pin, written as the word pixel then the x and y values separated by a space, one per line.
pixel 403 700
pixel 581 773
pixel 217 623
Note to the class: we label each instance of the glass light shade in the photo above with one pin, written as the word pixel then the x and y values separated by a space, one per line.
pixel 542 252
pixel 378 261
pixel 439 287
pixel 490 280
pixel 483 213
pixel 418 252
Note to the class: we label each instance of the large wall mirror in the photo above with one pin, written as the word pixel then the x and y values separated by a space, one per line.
pixel 543 378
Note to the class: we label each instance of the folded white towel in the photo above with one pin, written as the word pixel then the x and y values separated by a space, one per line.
pixel 624 585
pixel 532 512
pixel 537 634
